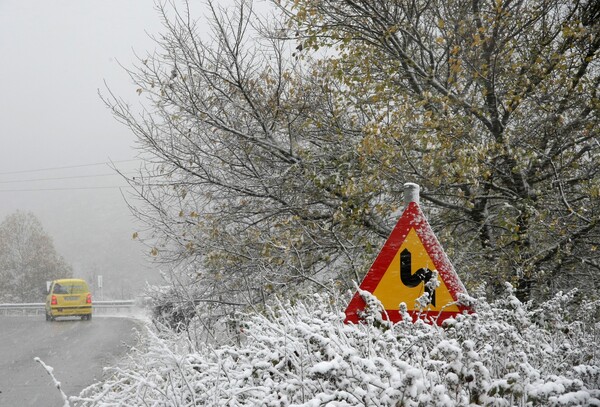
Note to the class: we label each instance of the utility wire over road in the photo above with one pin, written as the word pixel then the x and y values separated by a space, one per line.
pixel 108 163
pixel 64 182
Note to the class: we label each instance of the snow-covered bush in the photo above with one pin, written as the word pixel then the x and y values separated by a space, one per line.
pixel 185 306
pixel 303 354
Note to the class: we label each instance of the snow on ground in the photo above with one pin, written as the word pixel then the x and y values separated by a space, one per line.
pixel 507 354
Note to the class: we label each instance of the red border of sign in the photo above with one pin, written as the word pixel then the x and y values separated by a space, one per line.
pixel 411 218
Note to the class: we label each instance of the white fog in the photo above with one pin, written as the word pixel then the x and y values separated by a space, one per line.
pixel 55 132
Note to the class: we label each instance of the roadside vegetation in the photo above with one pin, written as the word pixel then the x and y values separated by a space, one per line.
pixel 276 149
pixel 302 354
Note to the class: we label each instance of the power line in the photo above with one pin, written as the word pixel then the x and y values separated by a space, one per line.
pixel 66 167
pixel 64 189
pixel 60 178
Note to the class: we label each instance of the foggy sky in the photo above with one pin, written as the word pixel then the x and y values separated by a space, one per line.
pixel 54 56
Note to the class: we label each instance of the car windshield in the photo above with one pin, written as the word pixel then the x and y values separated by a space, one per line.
pixel 73 288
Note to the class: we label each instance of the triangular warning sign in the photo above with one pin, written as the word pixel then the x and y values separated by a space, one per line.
pixel 409 259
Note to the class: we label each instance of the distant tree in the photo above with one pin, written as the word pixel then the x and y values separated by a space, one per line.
pixel 27 259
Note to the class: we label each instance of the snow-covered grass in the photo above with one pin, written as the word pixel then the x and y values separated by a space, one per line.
pixel 507 354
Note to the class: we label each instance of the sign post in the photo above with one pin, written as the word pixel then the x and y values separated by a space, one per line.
pixel 402 272
pixel 100 286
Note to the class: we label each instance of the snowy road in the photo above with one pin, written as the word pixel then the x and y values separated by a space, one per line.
pixel 77 350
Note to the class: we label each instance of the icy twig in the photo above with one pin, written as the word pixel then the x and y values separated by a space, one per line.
pixel 50 370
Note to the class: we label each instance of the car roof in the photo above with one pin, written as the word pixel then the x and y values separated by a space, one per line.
pixel 69 280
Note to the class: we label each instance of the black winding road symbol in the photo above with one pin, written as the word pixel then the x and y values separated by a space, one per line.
pixel 422 275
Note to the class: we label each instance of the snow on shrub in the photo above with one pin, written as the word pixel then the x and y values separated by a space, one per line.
pixel 303 355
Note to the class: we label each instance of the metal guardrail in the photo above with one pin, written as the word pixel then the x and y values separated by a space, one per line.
pixel 39 307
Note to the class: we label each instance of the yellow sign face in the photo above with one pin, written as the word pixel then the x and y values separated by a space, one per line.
pixel 404 280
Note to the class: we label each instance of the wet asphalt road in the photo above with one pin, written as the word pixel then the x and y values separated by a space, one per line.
pixel 77 350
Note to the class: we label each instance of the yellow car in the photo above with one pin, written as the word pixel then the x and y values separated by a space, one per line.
pixel 69 297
